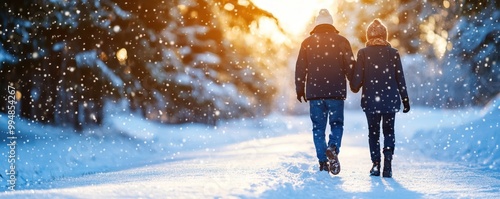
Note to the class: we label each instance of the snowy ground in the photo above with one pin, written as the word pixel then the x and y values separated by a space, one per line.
pixel 266 158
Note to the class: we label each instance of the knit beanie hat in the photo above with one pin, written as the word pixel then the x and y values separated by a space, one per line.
pixel 376 30
pixel 323 17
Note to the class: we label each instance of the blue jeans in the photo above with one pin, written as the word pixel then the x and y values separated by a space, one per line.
pixel 321 111
pixel 387 120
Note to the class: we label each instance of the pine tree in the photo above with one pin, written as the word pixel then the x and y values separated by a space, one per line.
pixel 178 64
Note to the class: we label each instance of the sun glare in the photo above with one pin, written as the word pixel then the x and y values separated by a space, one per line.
pixel 294 15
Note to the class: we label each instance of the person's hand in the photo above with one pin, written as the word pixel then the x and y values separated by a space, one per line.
pixel 406 105
pixel 301 96
pixel 354 90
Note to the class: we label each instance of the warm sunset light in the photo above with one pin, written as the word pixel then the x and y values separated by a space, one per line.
pixel 294 15
pixel 249 99
pixel 121 55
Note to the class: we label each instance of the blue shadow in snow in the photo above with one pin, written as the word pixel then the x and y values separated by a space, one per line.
pixel 323 185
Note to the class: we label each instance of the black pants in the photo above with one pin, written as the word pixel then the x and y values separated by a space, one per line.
pixel 374 120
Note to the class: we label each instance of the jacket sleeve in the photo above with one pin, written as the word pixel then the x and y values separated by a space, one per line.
pixel 400 78
pixel 301 70
pixel 358 73
pixel 348 61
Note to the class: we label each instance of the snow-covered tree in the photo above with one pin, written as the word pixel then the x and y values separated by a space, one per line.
pixel 459 41
pixel 171 61
pixel 451 46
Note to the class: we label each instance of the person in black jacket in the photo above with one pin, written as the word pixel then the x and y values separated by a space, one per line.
pixel 379 71
pixel 324 62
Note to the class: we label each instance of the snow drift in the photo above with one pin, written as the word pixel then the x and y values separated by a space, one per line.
pixel 475 143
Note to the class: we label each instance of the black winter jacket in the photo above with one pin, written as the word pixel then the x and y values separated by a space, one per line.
pixel 379 71
pixel 325 60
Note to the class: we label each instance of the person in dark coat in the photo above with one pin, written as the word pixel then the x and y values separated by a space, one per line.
pixel 324 62
pixel 379 72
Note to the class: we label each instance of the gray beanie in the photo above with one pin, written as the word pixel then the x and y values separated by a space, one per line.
pixel 323 17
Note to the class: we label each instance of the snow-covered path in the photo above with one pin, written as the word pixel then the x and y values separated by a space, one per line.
pixel 281 166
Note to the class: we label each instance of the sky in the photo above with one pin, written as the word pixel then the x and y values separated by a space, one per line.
pixel 294 15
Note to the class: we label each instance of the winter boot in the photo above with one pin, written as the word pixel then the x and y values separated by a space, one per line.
pixel 375 171
pixel 323 166
pixel 387 172
pixel 331 154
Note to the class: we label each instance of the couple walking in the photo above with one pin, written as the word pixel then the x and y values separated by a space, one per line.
pixel 324 63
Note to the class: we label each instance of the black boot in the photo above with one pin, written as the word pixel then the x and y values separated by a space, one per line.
pixel 333 160
pixel 387 172
pixel 375 171
pixel 323 166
